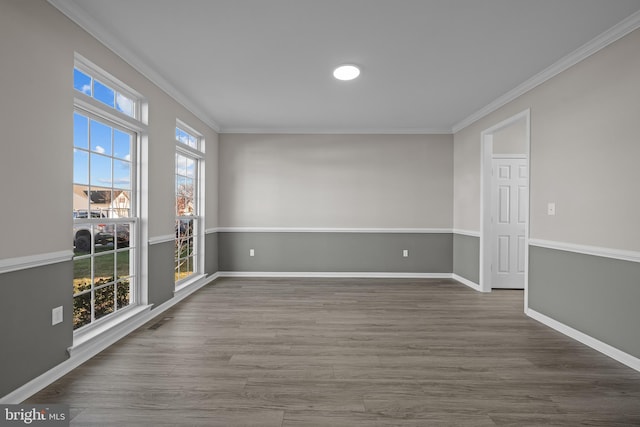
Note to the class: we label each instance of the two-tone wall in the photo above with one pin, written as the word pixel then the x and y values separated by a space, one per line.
pixel 584 271
pixel 336 203
pixel 37 44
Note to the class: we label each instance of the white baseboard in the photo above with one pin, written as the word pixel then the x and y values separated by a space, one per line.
pixel 86 351
pixel 467 282
pixel 604 348
pixel 355 275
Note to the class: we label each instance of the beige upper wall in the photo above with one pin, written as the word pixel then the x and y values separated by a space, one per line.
pixel 37 44
pixel 336 181
pixel 585 147
pixel 511 139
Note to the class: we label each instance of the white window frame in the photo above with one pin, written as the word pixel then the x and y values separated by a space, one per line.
pixel 91 107
pixel 198 155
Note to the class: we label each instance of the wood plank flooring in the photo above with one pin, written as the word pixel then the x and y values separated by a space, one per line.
pixel 347 352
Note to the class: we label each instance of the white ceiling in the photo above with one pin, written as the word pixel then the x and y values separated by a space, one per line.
pixel 266 66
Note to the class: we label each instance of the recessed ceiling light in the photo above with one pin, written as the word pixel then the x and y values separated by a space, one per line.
pixel 346 72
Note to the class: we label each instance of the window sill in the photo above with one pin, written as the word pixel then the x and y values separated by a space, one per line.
pixel 108 330
pixel 191 282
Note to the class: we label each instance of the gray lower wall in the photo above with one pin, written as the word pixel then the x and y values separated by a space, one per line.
pixel 466 257
pixel 161 272
pixel 336 252
pixel 211 253
pixel 30 344
pixel 595 295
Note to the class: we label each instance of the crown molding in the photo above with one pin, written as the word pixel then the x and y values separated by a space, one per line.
pixel 312 131
pixel 613 34
pixel 71 9
pixel 333 230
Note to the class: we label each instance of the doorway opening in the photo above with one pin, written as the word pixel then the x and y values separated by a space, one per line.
pixel 504 223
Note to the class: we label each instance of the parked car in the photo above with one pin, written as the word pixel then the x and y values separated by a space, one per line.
pixel 82 232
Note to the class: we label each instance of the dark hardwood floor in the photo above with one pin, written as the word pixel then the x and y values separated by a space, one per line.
pixel 348 352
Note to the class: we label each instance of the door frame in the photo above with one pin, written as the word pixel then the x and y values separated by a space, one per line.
pixel 485 200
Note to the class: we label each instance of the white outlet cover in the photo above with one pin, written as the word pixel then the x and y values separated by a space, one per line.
pixel 252 252
pixel 56 316
pixel 405 253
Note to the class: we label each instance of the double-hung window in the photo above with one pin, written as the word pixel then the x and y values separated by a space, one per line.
pixel 189 229
pixel 106 135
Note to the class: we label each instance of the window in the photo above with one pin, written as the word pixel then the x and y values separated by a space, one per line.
pixel 105 211
pixel 189 223
pixel 102 92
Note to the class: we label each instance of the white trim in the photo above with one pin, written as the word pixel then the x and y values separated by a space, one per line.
pixel 91 26
pixel 613 34
pixel 162 239
pixel 312 131
pixel 619 254
pixel 466 232
pixel 84 352
pixel 467 282
pixel 509 156
pixel 8 265
pixel 83 340
pixel 331 230
pixel 604 348
pixel 322 274
pixel 211 230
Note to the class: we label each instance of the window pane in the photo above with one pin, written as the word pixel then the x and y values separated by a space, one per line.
pixel 103 267
pixel 82 239
pixel 182 136
pixel 124 104
pixel 121 145
pixel 123 231
pixel 103 237
pixel 104 93
pixel 100 170
pixel 100 138
pixel 81 82
pixel 80 167
pixel 190 168
pixel 105 301
pixel 123 266
pixel 123 293
pixel 81 275
pixel 122 175
pixel 193 141
pixel 80 131
pixel 121 204
pixel 81 310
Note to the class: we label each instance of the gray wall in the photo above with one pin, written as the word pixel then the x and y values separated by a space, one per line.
pixel 161 272
pixel 211 253
pixel 30 344
pixel 336 252
pixel 595 295
pixel 466 257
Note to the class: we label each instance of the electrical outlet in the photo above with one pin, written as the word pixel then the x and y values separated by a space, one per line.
pixel 56 315
pixel 252 252
pixel 405 253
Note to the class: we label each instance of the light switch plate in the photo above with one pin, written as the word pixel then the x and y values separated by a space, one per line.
pixel 405 253
pixel 551 208
pixel 252 252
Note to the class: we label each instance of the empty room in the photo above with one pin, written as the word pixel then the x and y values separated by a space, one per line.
pixel 320 213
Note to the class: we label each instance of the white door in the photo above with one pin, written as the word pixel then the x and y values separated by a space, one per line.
pixel 509 214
